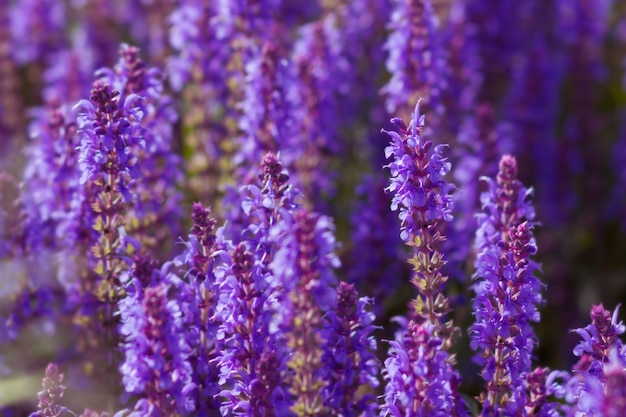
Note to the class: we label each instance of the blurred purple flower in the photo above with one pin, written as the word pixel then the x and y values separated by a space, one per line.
pixel 508 293
pixel 156 365
pixel 350 363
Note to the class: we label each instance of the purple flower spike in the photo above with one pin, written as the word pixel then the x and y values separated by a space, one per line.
pixel 268 121
pixel 599 337
pixel 349 361
pixel 414 59
pixel 197 295
pixel 156 364
pixel 303 269
pixel 418 373
pixel 51 394
pixel 109 129
pixel 157 203
pixel 507 293
pixel 247 342
pixel 423 198
pixel 417 178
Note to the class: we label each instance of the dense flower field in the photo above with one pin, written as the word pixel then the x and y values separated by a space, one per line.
pixel 312 208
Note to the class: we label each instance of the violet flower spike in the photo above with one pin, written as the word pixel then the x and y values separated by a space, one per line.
pixel 51 394
pixel 418 372
pixel 197 295
pixel 349 359
pixel 507 293
pixel 414 56
pixel 156 365
pixel 423 198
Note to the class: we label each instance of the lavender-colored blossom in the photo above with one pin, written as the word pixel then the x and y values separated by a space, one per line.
pixel 414 56
pixel 303 267
pixel 595 387
pixel 197 295
pixel 349 359
pixel 419 189
pixel 245 330
pixel 268 121
pixel 424 200
pixel 507 293
pixel 156 365
pixel 599 337
pixel 157 203
pixel 249 298
pixel 109 131
pixel 37 27
pixel 322 72
pixel 51 394
pixel 418 373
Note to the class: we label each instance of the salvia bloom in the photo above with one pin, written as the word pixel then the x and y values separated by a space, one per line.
pixel 418 372
pixel 156 365
pixel 414 60
pixel 51 394
pixel 157 203
pixel 303 267
pixel 419 189
pixel 245 331
pixel 596 386
pixel 348 354
pixel 424 200
pixel 425 203
pixel 197 295
pixel 268 121
pixel 507 293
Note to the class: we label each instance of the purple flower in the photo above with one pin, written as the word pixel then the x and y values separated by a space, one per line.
pixel 414 60
pixel 250 298
pixel 419 189
pixel 156 365
pixel 419 375
pixel 322 72
pixel 157 203
pixel 197 295
pixel 268 121
pixel 51 394
pixel 303 269
pixel 37 27
pixel 349 359
pixel 599 337
pixel 109 132
pixel 423 198
pixel 595 387
pixel 245 331
pixel 507 293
